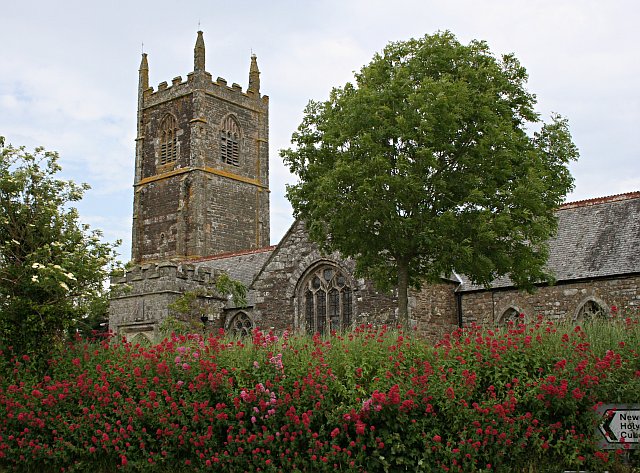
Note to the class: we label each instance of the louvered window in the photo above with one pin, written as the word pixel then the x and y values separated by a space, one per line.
pixel 230 141
pixel 168 140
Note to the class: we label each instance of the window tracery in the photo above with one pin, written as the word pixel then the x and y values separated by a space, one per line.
pixel 591 310
pixel 327 300
pixel 141 339
pixel 510 315
pixel 241 324
pixel 230 141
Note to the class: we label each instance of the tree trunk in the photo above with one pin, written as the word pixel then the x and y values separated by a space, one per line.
pixel 403 292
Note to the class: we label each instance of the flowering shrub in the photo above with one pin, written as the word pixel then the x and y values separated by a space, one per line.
pixel 371 400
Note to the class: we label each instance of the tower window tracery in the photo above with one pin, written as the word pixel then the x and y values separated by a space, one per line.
pixel 168 140
pixel 230 141
pixel 327 300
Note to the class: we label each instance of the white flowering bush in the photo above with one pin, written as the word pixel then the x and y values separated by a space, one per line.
pixel 52 267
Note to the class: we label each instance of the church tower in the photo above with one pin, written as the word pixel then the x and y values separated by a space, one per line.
pixel 202 165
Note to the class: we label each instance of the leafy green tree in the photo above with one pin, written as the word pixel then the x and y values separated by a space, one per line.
pixel 435 161
pixel 52 268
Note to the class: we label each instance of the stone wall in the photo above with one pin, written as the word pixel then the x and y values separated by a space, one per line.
pixel 141 297
pixel 562 301
pixel 433 309
pixel 276 287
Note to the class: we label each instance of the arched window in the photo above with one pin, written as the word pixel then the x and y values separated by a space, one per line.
pixel 230 141
pixel 591 310
pixel 326 300
pixel 241 324
pixel 511 314
pixel 141 339
pixel 168 140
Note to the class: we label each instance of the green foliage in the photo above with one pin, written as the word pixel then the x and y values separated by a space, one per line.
pixel 519 399
pixel 172 324
pixel 52 268
pixel 238 291
pixel 426 166
pixel 191 305
pixel 186 303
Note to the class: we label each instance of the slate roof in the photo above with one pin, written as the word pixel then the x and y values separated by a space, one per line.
pixel 242 266
pixel 596 238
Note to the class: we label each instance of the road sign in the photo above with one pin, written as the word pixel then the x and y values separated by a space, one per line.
pixel 620 426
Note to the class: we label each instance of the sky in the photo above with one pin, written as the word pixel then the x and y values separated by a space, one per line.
pixel 69 75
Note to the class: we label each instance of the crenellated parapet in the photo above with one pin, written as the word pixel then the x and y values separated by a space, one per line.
pixel 220 88
pixel 168 270
pixel 142 297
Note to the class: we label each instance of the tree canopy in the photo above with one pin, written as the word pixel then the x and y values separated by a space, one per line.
pixel 434 162
pixel 52 267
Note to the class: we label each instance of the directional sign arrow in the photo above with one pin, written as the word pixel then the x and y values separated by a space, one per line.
pixel 605 427
pixel 620 426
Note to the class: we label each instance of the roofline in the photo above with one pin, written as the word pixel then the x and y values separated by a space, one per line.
pixel 284 237
pixel 559 282
pixel 600 200
pixel 264 249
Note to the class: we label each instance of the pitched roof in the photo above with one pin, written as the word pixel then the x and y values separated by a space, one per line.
pixel 242 266
pixel 596 238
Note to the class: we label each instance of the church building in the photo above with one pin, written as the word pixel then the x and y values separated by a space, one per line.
pixel 201 210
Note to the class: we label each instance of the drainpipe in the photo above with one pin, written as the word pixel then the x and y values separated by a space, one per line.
pixel 458 295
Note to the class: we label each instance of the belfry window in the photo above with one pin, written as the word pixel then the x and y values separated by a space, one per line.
pixel 230 141
pixel 168 140
pixel 326 301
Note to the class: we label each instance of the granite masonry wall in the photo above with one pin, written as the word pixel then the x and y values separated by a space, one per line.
pixel 141 297
pixel 200 205
pixel 433 309
pixel 562 301
pixel 276 288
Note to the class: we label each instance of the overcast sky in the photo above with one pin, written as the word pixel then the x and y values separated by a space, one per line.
pixel 69 75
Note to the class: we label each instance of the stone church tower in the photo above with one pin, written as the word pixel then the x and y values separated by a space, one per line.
pixel 202 166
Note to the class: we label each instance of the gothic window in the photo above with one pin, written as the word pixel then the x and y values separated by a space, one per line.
pixel 168 140
pixel 230 141
pixel 591 310
pixel 241 324
pixel 511 315
pixel 141 339
pixel 326 300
